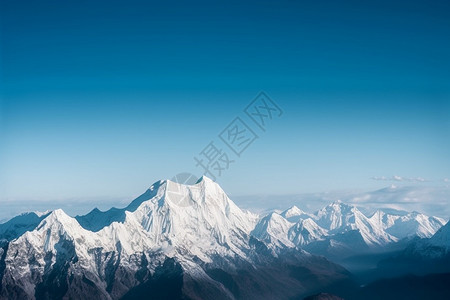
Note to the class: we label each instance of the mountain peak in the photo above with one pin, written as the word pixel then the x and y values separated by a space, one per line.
pixel 273 229
pixel 59 214
pixel 59 218
pixel 338 205
pixel 205 179
pixel 294 214
pixel 201 180
pixel 292 211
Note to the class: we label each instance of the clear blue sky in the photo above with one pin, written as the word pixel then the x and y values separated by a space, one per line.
pixel 102 99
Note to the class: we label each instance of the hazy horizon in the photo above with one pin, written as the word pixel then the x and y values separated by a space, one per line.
pixel 428 199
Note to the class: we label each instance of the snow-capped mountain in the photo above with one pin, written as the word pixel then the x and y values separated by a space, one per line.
pixel 294 214
pixel 273 229
pixel 409 225
pixel 339 230
pixel 173 241
pixel 339 218
pixel 306 232
pixel 191 241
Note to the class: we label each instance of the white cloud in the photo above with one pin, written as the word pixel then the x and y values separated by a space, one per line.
pixel 382 178
pixel 429 199
pixel 400 178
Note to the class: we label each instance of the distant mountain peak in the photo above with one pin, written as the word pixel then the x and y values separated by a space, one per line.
pixel 292 211
pixel 204 179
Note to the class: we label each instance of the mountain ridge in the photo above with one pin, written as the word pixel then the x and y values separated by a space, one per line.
pixel 194 232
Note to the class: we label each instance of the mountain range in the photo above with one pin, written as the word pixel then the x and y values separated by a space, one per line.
pixel 192 242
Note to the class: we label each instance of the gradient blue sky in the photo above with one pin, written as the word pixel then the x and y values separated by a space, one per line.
pixel 102 99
